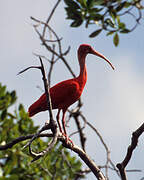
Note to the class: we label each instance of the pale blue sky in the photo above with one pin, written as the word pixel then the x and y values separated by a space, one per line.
pixel 114 100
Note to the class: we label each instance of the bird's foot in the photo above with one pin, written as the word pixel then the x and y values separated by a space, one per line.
pixel 67 139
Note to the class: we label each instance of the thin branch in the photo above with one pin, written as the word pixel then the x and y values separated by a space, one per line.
pixel 49 104
pixel 48 125
pixel 52 124
pixel 134 141
pixel 49 27
pixel 51 50
pixel 50 16
pixel 53 40
pixel 108 160
pixel 96 131
pixel 34 67
pixel 49 147
pixel 45 127
pixel 38 55
pixel 20 139
pixel 51 66
pixel 80 129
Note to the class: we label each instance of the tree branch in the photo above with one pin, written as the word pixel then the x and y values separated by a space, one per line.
pixel 48 125
pixel 94 168
pixel 50 16
pixel 134 140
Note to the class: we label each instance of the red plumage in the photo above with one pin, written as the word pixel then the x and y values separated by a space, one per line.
pixel 62 95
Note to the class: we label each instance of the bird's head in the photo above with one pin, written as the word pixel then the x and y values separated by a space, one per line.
pixel 85 49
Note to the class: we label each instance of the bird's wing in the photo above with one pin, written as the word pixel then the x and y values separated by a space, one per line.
pixel 64 94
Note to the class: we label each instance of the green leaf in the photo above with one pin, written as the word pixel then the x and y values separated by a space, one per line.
pixel 4 114
pixel 95 10
pixel 83 3
pixel 99 2
pixel 110 33
pixel 76 23
pixel 90 3
pixel 113 15
pixel 116 39
pixel 118 20
pixel 95 33
pixel 2 91
pixel 127 4
pixel 13 96
pixel 125 31
pixel 121 25
pixel 120 6
pixel 72 4
pixel 96 17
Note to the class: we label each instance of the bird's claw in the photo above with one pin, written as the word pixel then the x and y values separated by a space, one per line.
pixel 67 139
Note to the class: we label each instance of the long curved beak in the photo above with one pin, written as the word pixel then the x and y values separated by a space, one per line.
pixel 103 57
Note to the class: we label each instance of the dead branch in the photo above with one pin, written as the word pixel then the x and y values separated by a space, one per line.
pixel 75 115
pixel 48 125
pixel 134 141
pixel 59 55
pixel 50 16
pixel 108 159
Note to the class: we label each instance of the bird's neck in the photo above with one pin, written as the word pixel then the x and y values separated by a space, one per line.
pixel 82 78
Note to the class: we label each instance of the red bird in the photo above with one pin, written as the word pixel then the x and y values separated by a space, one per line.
pixel 66 92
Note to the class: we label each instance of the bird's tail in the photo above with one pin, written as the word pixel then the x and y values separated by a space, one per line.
pixel 38 106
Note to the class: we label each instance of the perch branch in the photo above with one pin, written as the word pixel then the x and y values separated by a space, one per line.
pixel 94 168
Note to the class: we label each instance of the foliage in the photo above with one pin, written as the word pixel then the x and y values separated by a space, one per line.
pixel 106 15
pixel 15 162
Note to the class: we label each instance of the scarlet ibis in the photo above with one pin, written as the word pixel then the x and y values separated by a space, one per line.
pixel 66 92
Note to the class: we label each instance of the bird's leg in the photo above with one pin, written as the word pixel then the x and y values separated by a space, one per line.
pixel 58 120
pixel 64 128
pixel 63 122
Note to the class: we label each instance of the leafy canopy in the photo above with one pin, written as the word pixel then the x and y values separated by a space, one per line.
pixel 15 162
pixel 112 16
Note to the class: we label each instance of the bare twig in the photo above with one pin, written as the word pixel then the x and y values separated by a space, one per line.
pixel 108 159
pixel 34 67
pixel 50 16
pixel 45 127
pixel 49 104
pixel 51 66
pixel 80 129
pixel 50 49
